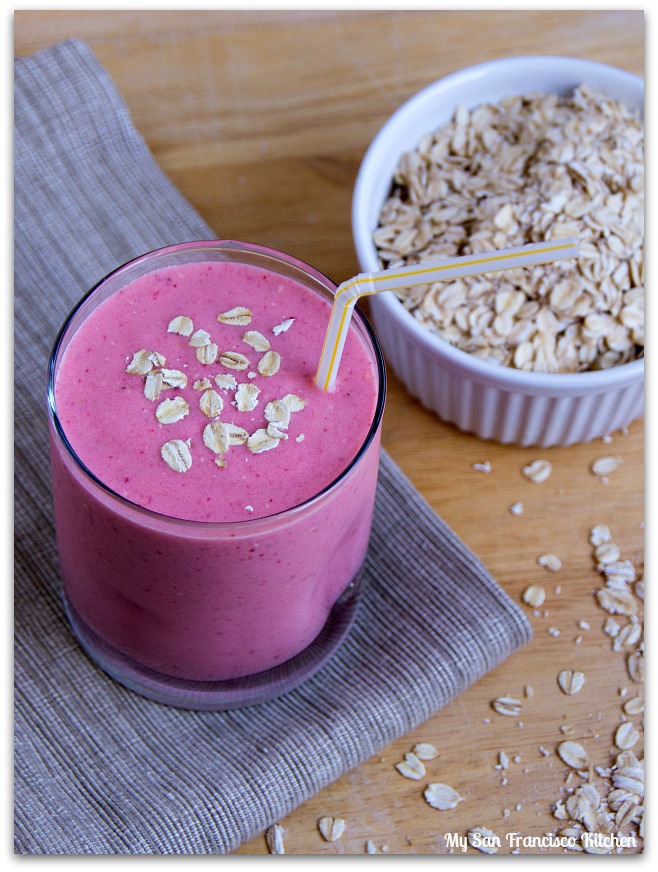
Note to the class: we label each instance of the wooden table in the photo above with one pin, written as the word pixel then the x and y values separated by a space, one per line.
pixel 261 120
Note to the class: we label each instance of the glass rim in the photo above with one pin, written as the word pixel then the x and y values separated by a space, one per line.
pixel 233 246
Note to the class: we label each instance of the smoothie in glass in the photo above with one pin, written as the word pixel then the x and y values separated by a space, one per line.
pixel 212 504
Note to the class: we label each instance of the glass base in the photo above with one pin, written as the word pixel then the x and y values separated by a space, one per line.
pixel 233 693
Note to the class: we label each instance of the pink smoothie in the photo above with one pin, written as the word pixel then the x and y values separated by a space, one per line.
pixel 253 583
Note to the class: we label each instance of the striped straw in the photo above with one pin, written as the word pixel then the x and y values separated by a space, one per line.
pixel 366 284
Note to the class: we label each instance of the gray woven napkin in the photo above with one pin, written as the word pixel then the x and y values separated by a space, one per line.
pixel 99 769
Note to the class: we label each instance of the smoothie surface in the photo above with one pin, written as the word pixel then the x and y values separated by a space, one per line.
pixel 112 424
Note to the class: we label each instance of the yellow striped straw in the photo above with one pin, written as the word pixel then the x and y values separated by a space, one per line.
pixel 366 284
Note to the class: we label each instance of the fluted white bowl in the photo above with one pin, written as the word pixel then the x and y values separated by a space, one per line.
pixel 492 401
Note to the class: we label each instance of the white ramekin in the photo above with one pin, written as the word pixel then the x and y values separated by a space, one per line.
pixel 494 402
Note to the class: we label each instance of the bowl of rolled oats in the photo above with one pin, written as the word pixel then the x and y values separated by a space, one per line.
pixel 502 154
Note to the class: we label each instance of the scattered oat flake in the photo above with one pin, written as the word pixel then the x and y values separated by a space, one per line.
pixel 442 796
pixel 277 412
pixel 606 465
pixel 225 381
pixel 538 471
pixel 634 706
pixel 283 326
pixel 616 602
pixel 269 363
pixel 331 828
pixel 174 378
pixel 635 666
pixel 570 682
pixel 261 441
pixel 233 360
pixel 256 340
pixel 181 324
pixel 274 839
pixel 236 435
pixel 176 454
pixel 207 354
pixel 142 362
pixel 300 438
pixel 170 411
pixel 411 767
pixel 483 840
pixel 534 595
pixel 482 467
pixel 273 431
pixel 210 403
pixel 425 751
pixel 599 534
pixel 626 736
pixel 246 397
pixel 199 339
pixel 550 562
pixel 294 403
pixel 573 754
pixel 216 437
pixel 507 705
pixel 239 316
pixel 516 509
pixel 153 385
pixel 202 384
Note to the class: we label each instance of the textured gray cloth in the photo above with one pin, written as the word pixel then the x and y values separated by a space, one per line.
pixel 99 769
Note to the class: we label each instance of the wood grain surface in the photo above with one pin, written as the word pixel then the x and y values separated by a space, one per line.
pixel 261 120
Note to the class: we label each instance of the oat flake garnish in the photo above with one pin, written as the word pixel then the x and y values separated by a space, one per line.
pixel 331 828
pixel 550 562
pixel 300 438
pixel 274 839
pixel 173 378
pixel 507 705
pixel 211 404
pixel 144 360
pixel 216 437
pixel 233 360
pixel 538 471
pixel 225 381
pixel 200 338
pixel 261 441
pixel 283 326
pixel 606 465
pixel 294 403
pixel 269 363
pixel 442 796
pixel 181 324
pixel 202 384
pixel 176 454
pixel 534 595
pixel 236 435
pixel 273 431
pixel 616 602
pixel 256 340
pixel 277 412
pixel 411 767
pixel 153 385
pixel 207 354
pixel 239 316
pixel 570 682
pixel 170 411
pixel 246 397
pixel 573 754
